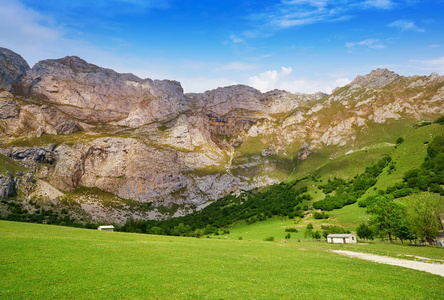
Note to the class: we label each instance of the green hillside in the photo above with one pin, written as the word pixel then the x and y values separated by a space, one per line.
pixel 337 187
pixel 43 261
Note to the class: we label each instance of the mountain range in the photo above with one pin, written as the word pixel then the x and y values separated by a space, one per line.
pixel 111 146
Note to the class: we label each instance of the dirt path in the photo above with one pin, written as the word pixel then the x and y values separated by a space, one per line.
pixel 416 265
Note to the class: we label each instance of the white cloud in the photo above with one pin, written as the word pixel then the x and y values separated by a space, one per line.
pixel 370 43
pixel 23 25
pixel 36 36
pixel 202 84
pixel 291 13
pixel 237 66
pixel 283 80
pixel 382 4
pixel 406 25
pixel 270 79
pixel 317 3
pixel 235 39
pixel 432 65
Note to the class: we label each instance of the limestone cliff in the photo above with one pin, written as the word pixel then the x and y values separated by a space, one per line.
pixel 95 94
pixel 144 141
pixel 12 69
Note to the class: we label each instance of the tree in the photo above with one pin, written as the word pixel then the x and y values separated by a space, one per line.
pixel 387 215
pixel 423 213
pixel 309 230
pixel 365 232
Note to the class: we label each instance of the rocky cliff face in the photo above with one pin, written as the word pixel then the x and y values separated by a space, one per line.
pixel 12 69
pixel 156 145
pixel 95 94
pixel 6 185
pixel 22 118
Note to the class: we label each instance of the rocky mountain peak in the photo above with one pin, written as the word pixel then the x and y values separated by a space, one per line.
pixel 12 69
pixel 76 63
pixel 376 78
pixel 95 94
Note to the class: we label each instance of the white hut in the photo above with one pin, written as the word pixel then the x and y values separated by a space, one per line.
pixel 341 238
pixel 106 227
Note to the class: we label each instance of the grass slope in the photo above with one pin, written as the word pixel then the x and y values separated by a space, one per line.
pixel 408 155
pixel 40 261
pixel 7 165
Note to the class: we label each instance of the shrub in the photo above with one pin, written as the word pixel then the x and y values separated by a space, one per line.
pixel 320 215
pixel 269 239
pixel 291 229
pixel 288 236
pixel 440 120
pixel 316 235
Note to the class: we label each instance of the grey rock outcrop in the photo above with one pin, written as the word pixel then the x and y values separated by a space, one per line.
pixel 8 106
pixel 222 100
pixel 29 156
pixel 12 69
pixel 96 94
pixel 20 119
pixel 376 79
pixel 6 185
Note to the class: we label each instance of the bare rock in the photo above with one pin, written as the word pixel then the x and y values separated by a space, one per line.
pixel 222 100
pixel 29 156
pixel 112 96
pixel 12 69
pixel 6 185
pixel 34 120
pixel 8 106
pixel 375 79
pixel 339 134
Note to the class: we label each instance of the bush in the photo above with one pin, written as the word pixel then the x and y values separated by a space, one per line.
pixel 269 239
pixel 316 235
pixel 440 120
pixel 320 215
pixel 288 236
pixel 291 229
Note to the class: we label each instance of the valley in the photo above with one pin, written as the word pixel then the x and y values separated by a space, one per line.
pixel 41 261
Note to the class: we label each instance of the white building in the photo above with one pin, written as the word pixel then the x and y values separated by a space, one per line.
pixel 341 238
pixel 106 227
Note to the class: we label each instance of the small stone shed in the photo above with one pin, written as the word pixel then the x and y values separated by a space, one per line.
pixel 106 227
pixel 341 238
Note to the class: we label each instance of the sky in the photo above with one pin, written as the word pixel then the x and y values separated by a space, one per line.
pixel 295 45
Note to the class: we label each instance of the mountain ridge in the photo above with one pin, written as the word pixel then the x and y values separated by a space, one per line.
pixel 146 141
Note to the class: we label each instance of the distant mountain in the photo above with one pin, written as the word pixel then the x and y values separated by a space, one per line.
pixel 75 125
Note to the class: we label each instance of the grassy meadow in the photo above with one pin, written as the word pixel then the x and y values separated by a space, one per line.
pixel 42 261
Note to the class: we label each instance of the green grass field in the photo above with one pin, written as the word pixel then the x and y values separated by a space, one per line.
pixel 42 261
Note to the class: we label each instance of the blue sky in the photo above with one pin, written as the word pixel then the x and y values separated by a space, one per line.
pixel 296 45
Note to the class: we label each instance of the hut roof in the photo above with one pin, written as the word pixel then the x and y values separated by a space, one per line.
pixel 340 235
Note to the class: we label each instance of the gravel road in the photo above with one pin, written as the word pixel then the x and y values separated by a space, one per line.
pixel 437 269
